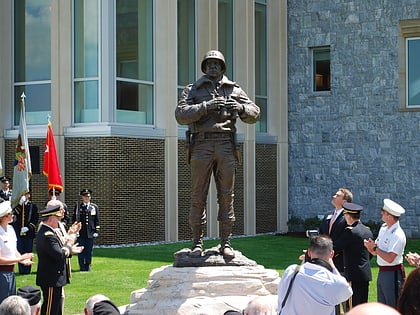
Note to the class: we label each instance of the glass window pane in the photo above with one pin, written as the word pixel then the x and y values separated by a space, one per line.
pixel 186 42
pixel 134 103
pixel 134 38
pixel 37 103
pixel 321 68
pixel 225 33
pixel 261 64
pixel 261 125
pixel 85 38
pixel 260 50
pixel 32 40
pixel 86 103
pixel 413 72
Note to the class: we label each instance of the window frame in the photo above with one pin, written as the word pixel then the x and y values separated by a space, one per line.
pixel 33 117
pixel 144 80
pixel 262 124
pixel 315 50
pixel 409 29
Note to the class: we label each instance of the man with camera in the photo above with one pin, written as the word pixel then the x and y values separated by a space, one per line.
pixel 315 286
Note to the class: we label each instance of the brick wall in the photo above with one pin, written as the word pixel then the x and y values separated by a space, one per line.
pixel 127 177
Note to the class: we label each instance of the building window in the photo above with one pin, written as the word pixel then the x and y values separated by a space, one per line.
pixel 410 64
pixel 134 62
pixel 321 69
pixel 86 61
pixel 225 33
pixel 413 71
pixel 186 43
pixel 261 93
pixel 32 59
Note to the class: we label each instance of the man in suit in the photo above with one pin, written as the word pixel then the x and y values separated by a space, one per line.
pixel 53 249
pixel 356 257
pixel 87 213
pixel 334 224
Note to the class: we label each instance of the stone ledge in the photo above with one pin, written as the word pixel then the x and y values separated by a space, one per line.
pixel 204 290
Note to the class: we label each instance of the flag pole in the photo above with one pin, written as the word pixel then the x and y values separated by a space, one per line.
pixel 23 96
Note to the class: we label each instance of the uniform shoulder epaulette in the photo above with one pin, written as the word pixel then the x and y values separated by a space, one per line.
pixel 48 233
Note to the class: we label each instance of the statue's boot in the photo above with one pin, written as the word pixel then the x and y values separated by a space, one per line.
pixel 225 234
pixel 197 242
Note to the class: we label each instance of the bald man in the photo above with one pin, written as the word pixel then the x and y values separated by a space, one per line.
pixel 373 308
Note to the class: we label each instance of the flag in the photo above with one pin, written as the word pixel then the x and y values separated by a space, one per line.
pixel 22 170
pixel 51 168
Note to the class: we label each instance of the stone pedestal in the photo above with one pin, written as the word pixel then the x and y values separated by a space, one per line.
pixel 205 285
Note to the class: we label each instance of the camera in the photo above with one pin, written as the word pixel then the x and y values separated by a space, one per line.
pixel 311 233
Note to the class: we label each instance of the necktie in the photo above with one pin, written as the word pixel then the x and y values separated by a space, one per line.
pixel 332 221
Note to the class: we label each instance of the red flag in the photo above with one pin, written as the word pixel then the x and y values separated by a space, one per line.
pixel 51 168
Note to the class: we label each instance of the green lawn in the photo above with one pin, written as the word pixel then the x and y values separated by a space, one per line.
pixel 116 272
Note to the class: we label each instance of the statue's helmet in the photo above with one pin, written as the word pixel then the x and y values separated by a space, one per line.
pixel 213 54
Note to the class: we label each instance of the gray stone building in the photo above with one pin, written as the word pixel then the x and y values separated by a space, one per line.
pixel 353 105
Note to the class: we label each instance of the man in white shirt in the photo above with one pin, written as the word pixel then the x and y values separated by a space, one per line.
pixel 314 287
pixel 389 250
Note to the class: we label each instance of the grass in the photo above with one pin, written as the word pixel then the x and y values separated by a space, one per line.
pixel 116 272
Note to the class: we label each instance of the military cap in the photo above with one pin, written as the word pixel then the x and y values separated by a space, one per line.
pixel 5 179
pixel 57 191
pixel 5 208
pixel 52 210
pixel 105 308
pixel 352 208
pixel 232 313
pixel 30 293
pixel 86 192
pixel 392 207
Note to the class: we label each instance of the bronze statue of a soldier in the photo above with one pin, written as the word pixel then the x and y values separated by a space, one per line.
pixel 210 108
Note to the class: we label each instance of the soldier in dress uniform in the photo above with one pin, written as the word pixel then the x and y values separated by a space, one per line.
pixel 25 223
pixel 54 194
pixel 53 250
pixel 389 251
pixel 5 192
pixel 355 255
pixel 87 213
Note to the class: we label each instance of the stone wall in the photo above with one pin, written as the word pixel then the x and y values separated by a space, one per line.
pixel 354 136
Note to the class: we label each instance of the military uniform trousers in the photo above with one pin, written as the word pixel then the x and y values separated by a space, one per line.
pixel 212 156
pixel 389 284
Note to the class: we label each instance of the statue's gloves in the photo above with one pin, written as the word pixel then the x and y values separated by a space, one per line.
pixel 234 106
pixel 214 104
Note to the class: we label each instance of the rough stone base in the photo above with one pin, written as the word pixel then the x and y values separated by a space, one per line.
pixel 203 290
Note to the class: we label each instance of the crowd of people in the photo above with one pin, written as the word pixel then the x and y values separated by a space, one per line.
pixel 56 241
pixel 333 277
pixel 341 285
